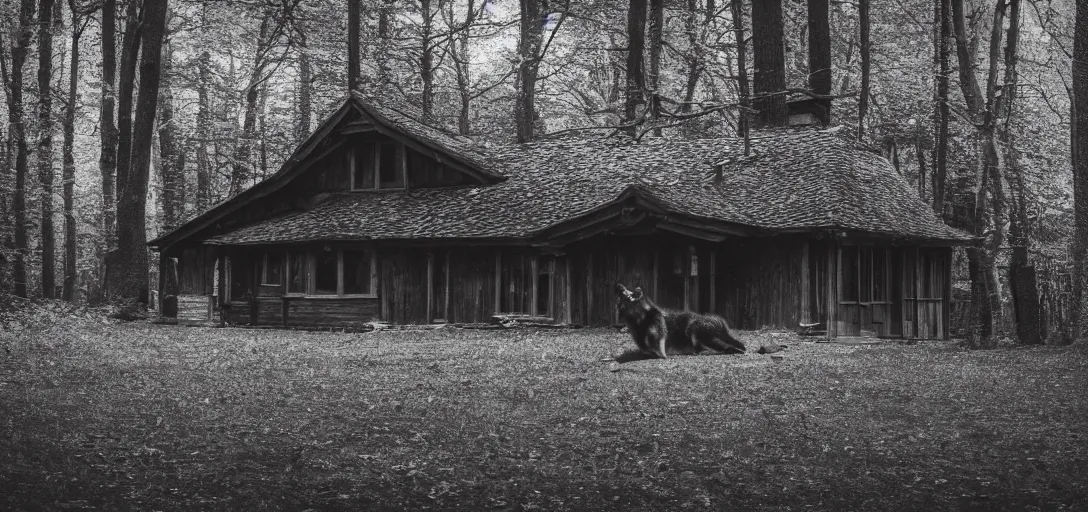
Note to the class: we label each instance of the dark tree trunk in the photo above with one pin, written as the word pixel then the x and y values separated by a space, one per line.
pixel 242 168
pixel 353 44
pixel 426 57
pixel 636 83
pixel 940 150
pixel 132 280
pixel 769 64
pixel 656 20
pixel 203 121
pixel 819 48
pixel 172 167
pixel 305 109
pixel 130 49
pixel 45 145
pixel 18 130
pixel 461 67
pixel 693 57
pixel 742 72
pixel 385 34
pixel 863 42
pixel 529 43
pixel 1080 171
pixel 107 157
pixel 921 170
pixel 69 176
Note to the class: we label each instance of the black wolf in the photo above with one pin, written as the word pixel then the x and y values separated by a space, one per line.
pixel 658 332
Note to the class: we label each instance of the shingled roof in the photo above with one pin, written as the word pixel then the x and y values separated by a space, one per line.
pixel 807 180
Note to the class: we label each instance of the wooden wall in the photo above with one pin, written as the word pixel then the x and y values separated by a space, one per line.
pixel 774 282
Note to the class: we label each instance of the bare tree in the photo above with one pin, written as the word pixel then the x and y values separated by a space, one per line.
pixel 1080 170
pixel 656 25
pixel 172 167
pixel 132 282
pixel 529 43
pixel 45 145
pixel 107 157
pixel 866 62
pixel 68 178
pixel 943 44
pixel 18 130
pixel 636 78
pixel 770 65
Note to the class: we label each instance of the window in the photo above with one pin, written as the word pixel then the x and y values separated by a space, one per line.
pixel 545 269
pixel 849 279
pixel 325 272
pixel 272 269
pixel 362 166
pixel 880 275
pixel 296 272
pixel 390 173
pixel 358 272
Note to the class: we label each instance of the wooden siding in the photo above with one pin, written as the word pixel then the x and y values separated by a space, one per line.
pixel 754 283
pixel 472 285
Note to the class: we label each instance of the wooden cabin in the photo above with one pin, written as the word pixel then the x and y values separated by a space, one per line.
pixel 381 215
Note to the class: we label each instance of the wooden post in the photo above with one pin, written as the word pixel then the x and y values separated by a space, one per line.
pixel 498 281
pixel 946 304
pixel 383 292
pixel 713 281
pixel 589 288
pixel 569 307
pixel 653 286
pixel 918 303
pixel 686 269
pixel 446 291
pixel 223 285
pixel 430 286
pixel 534 269
pixel 805 315
pixel 162 282
pixel 832 288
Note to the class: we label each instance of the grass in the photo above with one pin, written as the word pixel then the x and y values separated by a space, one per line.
pixel 150 417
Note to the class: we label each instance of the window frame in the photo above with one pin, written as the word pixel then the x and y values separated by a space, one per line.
pixel 264 268
pixel 400 155
pixel 310 281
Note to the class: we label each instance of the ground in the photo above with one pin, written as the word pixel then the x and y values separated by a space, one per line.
pixel 136 416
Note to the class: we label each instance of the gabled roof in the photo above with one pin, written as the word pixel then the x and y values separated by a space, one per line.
pixel 389 116
pixel 799 181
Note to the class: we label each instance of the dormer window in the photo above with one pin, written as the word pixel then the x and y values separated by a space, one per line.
pixel 376 164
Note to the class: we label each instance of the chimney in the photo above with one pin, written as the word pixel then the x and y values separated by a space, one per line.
pixel 353 45
pixel 809 111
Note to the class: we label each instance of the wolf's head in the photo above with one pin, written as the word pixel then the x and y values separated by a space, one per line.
pixel 628 300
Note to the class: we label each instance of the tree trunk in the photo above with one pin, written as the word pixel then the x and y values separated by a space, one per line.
pixel 528 66
pixel 426 57
pixel 461 67
pixel 172 167
pixel 130 49
pixel 107 156
pixel 242 167
pixel 819 51
pixel 353 46
pixel 656 20
pixel 18 130
pixel 305 109
pixel 45 145
pixel 921 170
pixel 770 64
pixel 940 151
pixel 863 42
pixel 203 122
pixel 742 72
pixel 69 176
pixel 1079 139
pixel 636 83
pixel 385 34
pixel 131 233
